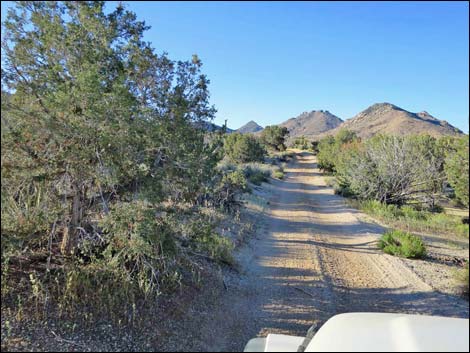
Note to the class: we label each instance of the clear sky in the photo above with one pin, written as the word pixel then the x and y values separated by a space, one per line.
pixel 270 61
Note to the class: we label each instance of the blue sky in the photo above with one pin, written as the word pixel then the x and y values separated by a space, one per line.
pixel 270 61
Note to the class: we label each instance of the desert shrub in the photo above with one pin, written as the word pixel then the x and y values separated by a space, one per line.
pixel 226 166
pixel 257 177
pixel 274 137
pixel 345 136
pixel 394 170
pixel 138 243
pixel 456 168
pixel 301 143
pixel 237 180
pixel 257 173
pixel 411 218
pixel 206 240
pixel 315 148
pixel 225 194
pixel 332 149
pixel 462 280
pixel 327 152
pixel 281 157
pixel 243 148
pixel 402 244
pixel 390 169
pixel 278 174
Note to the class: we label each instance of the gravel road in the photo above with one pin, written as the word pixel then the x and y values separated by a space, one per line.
pixel 313 257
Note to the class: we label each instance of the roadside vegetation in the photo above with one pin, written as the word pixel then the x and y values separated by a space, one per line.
pixel 403 182
pixel 302 143
pixel 402 244
pixel 274 137
pixel 410 218
pixel 462 280
pixel 113 196
pixel 401 179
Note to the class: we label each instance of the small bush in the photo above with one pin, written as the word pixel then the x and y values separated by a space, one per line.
pixel 257 173
pixel 462 280
pixel 402 244
pixel 302 143
pixel 226 166
pixel 237 180
pixel 207 241
pixel 257 178
pixel 412 213
pixel 278 174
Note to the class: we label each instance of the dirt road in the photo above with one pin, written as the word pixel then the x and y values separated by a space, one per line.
pixel 313 258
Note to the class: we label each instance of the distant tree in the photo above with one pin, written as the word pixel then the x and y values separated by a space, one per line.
pixel 243 148
pixel 330 149
pixel 344 136
pixel 274 137
pixel 302 143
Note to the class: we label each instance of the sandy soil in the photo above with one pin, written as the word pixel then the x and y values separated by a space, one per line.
pixel 313 258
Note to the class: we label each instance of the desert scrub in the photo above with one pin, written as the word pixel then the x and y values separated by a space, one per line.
pixel 277 158
pixel 257 173
pixel 402 244
pixel 462 280
pixel 278 174
pixel 410 218
pixel 203 238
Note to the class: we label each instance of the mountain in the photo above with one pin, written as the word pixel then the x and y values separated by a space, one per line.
pixel 250 127
pixel 390 119
pixel 311 124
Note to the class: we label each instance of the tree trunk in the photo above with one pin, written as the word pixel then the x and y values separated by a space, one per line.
pixel 70 238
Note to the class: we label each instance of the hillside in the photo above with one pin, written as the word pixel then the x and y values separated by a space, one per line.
pixel 211 127
pixel 250 127
pixel 390 119
pixel 311 124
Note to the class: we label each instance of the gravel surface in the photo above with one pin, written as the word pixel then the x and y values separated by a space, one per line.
pixel 313 257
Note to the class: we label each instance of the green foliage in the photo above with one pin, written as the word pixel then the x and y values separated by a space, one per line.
pixel 137 242
pixel 100 136
pixel 392 169
pixel 411 218
pixel 462 280
pixel 333 149
pixel 257 173
pixel 243 148
pixel 278 174
pixel 345 136
pixel 327 152
pixel 302 143
pixel 402 244
pixel 274 137
pixel 237 179
pixel 211 243
pixel 456 168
